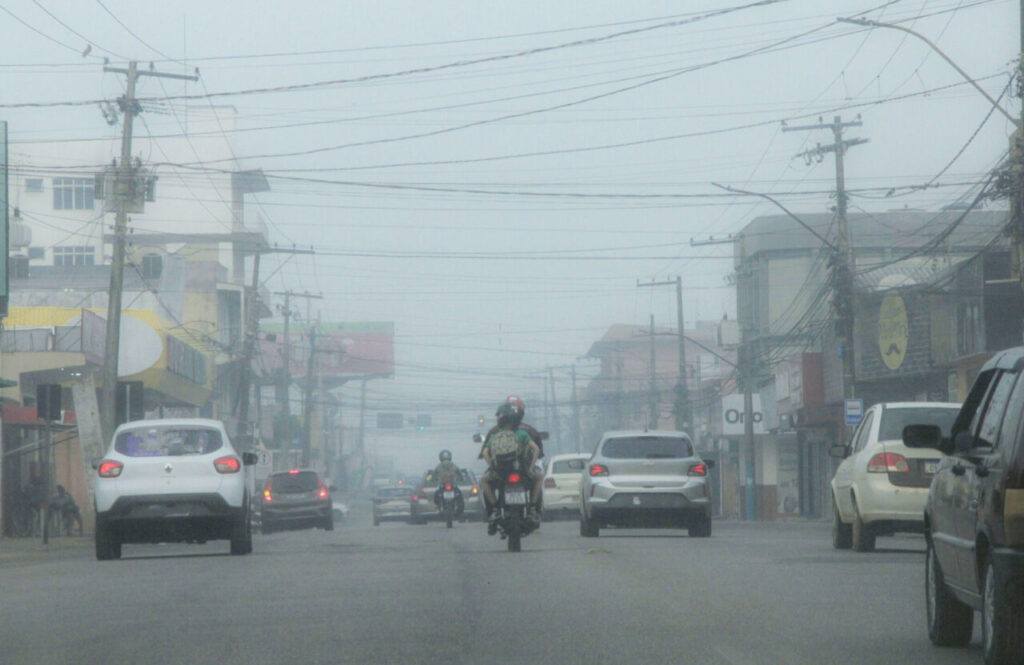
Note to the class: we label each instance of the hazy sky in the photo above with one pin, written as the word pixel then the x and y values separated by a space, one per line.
pixel 495 177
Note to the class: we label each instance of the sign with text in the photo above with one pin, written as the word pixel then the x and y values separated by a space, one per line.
pixel 733 417
pixel 853 409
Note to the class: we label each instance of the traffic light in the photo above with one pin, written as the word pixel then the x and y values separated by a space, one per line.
pixel 480 420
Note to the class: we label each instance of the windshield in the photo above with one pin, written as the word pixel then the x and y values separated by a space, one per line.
pixel 168 441
pixel 647 447
pixel 294 483
pixel 895 419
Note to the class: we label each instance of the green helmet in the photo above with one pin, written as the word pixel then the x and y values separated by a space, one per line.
pixel 445 456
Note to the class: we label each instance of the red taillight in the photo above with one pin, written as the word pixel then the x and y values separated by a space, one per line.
pixel 447 487
pixel 598 470
pixel 549 484
pixel 698 470
pixel 110 469
pixel 266 495
pixel 475 489
pixel 888 463
pixel 415 498
pixel 322 493
pixel 293 471
pixel 514 478
pixel 227 464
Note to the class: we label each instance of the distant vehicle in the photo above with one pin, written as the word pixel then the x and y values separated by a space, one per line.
pixel 562 484
pixel 424 509
pixel 392 503
pixel 974 515
pixel 646 479
pixel 296 499
pixel 881 486
pixel 174 480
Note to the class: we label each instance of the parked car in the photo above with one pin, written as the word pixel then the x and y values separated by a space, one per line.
pixel 423 508
pixel 646 479
pixel 296 499
pixel 881 486
pixel 974 516
pixel 174 480
pixel 392 503
pixel 562 484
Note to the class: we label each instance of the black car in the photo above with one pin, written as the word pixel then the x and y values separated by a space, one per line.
pixel 295 499
pixel 974 517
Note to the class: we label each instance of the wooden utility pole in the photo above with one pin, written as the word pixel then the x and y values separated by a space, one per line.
pixel 682 409
pixel 124 193
pixel 843 261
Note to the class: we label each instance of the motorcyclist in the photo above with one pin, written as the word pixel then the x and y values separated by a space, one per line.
pixel 445 472
pixel 528 453
pixel 538 467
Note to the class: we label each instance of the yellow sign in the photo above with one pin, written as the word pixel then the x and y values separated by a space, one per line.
pixel 893 331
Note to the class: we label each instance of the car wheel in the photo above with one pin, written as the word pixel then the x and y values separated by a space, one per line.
pixel 587 528
pixel 950 622
pixel 842 534
pixel 329 522
pixel 240 536
pixel 863 537
pixel 1002 623
pixel 107 546
pixel 700 527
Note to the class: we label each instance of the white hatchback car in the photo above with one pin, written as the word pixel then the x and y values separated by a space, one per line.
pixel 562 484
pixel 171 481
pixel 881 486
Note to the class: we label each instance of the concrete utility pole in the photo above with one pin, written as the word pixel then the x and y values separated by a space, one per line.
pixel 577 433
pixel 683 410
pixel 843 261
pixel 307 429
pixel 555 424
pixel 124 191
pixel 286 369
pixel 652 395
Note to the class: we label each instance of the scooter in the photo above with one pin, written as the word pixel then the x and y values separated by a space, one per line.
pixel 450 503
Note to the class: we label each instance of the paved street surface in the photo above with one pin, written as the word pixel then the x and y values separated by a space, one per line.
pixel 752 593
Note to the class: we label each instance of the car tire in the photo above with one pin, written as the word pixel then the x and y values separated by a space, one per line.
pixel 1002 623
pixel 950 622
pixel 700 527
pixel 862 535
pixel 842 534
pixel 107 546
pixel 587 528
pixel 329 522
pixel 241 536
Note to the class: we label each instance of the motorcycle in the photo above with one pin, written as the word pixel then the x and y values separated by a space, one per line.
pixel 451 505
pixel 512 495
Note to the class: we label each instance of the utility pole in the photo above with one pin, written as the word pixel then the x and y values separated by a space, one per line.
pixel 577 434
pixel 125 193
pixel 682 409
pixel 555 425
pixel 652 395
pixel 286 369
pixel 308 424
pixel 843 261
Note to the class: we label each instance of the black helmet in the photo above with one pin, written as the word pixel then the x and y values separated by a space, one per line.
pixel 445 456
pixel 507 414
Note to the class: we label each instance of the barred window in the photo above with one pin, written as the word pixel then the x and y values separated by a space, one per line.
pixel 74 256
pixel 72 193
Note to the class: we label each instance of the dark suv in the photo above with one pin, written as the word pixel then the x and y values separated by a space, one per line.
pixel 974 517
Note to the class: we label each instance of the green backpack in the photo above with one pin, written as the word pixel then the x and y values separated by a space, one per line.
pixel 503 444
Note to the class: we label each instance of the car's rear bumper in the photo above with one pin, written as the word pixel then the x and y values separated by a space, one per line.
pixel 560 500
pixel 647 508
pixel 295 514
pixel 170 518
pixel 878 500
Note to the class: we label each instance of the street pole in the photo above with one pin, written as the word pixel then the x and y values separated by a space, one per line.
pixel 652 396
pixel 124 191
pixel 577 435
pixel 750 477
pixel 555 424
pixel 682 409
pixel 308 424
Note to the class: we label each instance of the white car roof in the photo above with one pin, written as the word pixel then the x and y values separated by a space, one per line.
pixel 562 456
pixel 926 405
pixel 173 422
pixel 644 432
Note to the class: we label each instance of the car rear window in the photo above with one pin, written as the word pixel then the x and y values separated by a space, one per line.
pixel 394 493
pixel 168 441
pixel 568 466
pixel 303 481
pixel 647 447
pixel 895 419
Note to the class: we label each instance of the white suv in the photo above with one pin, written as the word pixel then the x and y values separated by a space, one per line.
pixel 881 486
pixel 171 481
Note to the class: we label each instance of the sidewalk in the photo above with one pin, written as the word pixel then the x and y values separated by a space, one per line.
pixel 15 551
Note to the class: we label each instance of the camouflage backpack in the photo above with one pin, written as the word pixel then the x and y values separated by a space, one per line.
pixel 504 444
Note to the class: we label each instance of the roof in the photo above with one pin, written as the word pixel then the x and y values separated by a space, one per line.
pixel 1011 359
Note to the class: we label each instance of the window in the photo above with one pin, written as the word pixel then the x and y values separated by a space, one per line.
pixel 152 266
pixel 864 432
pixel 1011 421
pixel 647 447
pixel 894 420
pixel 73 256
pixel 37 252
pixel 567 466
pixel 294 483
pixel 988 434
pixel 168 441
pixel 72 193
pixel 33 184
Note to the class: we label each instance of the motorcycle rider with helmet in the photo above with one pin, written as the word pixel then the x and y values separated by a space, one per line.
pixel 528 453
pixel 446 472
pixel 538 467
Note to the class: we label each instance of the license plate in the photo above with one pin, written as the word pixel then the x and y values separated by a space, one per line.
pixel 515 498
pixel 931 466
pixel 449 496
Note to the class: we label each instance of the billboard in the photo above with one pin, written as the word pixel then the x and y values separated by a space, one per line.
pixel 342 349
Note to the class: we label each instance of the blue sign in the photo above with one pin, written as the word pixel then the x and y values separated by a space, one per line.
pixel 853 410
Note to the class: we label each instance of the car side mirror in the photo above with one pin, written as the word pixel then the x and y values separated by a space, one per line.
pixel 477 438
pixel 250 459
pixel 839 451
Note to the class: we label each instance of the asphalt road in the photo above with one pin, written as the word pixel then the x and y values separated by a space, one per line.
pixel 752 593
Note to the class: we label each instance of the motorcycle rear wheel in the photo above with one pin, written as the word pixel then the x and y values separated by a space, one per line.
pixel 515 535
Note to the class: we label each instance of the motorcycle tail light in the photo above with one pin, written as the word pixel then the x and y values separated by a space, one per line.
pixel 514 478
pixel 598 470
pixel 266 495
pixel 447 486
pixel 110 469
pixel 888 463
